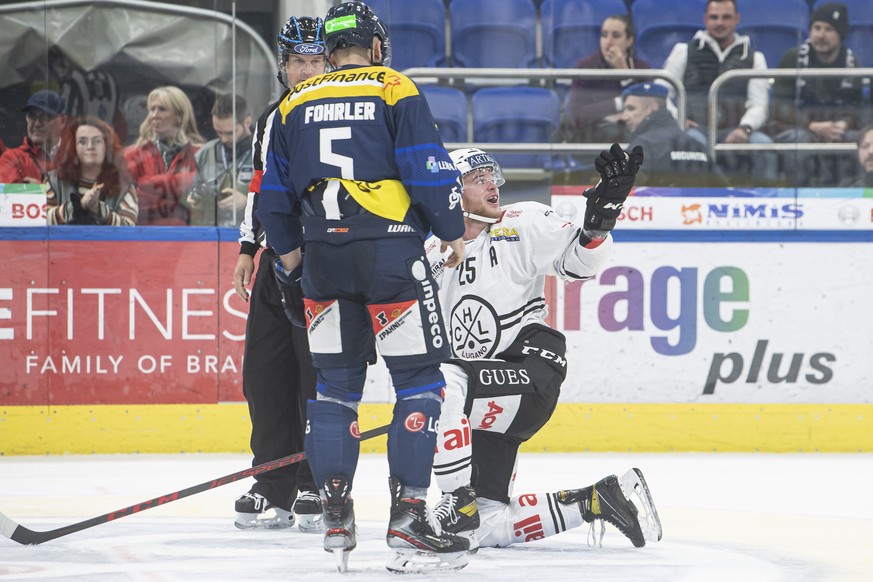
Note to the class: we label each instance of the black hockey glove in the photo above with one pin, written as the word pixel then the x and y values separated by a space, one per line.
pixel 617 173
pixel 291 292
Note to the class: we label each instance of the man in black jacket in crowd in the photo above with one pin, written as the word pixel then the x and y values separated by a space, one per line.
pixel 672 157
pixel 820 109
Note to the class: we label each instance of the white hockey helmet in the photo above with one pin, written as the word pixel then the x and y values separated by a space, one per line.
pixel 471 159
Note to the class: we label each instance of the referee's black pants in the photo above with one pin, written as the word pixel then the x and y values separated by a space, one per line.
pixel 278 379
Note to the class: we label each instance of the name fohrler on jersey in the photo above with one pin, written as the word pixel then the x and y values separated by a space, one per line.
pixel 357 111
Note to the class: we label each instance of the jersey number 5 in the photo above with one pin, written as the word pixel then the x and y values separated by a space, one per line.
pixel 330 199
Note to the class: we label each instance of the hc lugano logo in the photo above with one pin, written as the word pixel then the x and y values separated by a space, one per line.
pixel 475 328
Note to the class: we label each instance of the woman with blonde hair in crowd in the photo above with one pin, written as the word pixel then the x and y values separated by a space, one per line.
pixel 162 159
pixel 86 186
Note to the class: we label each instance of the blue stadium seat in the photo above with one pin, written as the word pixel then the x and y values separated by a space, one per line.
pixel 661 24
pixel 774 27
pixel 860 38
pixel 516 114
pixel 417 30
pixel 571 28
pixel 449 109
pixel 493 33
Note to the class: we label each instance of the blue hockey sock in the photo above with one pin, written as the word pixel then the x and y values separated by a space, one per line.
pixel 412 439
pixel 332 440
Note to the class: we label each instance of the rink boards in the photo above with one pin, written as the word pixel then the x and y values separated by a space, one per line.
pixel 124 340
pixel 186 428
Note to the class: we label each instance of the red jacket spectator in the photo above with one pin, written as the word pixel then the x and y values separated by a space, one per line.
pixel 160 187
pixel 29 162
pixel 26 161
pixel 162 160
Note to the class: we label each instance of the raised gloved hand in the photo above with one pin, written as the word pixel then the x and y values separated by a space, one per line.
pixel 291 292
pixel 618 171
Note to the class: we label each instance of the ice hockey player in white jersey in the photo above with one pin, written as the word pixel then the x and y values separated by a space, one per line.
pixel 504 382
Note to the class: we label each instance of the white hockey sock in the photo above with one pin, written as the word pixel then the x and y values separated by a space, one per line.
pixel 526 518
pixel 451 463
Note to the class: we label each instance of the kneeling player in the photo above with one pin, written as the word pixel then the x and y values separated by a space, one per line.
pixel 505 382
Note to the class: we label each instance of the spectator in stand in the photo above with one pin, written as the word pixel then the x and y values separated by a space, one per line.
pixel 86 187
pixel 864 179
pixel 742 106
pixel 675 158
pixel 29 162
pixel 162 159
pixel 594 105
pixel 224 166
pixel 819 109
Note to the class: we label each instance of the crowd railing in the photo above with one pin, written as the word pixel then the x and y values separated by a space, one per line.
pixel 728 76
pixel 434 74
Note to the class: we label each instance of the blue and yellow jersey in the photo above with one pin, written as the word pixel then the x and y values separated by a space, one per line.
pixel 355 154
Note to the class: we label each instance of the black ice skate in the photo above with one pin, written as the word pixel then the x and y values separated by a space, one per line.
pixel 458 513
pixel 634 487
pixel 308 511
pixel 418 541
pixel 254 511
pixel 606 501
pixel 339 521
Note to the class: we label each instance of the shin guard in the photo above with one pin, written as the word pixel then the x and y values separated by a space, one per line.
pixel 412 439
pixel 332 440
pixel 452 461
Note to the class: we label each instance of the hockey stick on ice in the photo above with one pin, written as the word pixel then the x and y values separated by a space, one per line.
pixel 22 535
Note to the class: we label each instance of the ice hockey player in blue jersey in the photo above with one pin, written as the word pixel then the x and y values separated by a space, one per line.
pixel 278 376
pixel 356 169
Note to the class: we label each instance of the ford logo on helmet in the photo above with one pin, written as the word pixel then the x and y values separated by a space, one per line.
pixel 309 49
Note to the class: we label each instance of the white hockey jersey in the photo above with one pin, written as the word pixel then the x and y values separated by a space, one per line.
pixel 500 286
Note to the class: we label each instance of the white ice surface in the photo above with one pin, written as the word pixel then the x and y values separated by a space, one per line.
pixel 726 517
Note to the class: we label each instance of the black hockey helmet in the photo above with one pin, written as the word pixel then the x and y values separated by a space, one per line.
pixel 300 35
pixel 382 32
pixel 355 24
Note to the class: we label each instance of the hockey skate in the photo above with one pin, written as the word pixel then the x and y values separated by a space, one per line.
pixel 339 521
pixel 606 501
pixel 254 511
pixel 417 539
pixel 308 511
pixel 634 487
pixel 458 514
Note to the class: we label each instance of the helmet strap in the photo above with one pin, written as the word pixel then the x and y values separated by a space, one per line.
pixel 281 79
pixel 484 219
